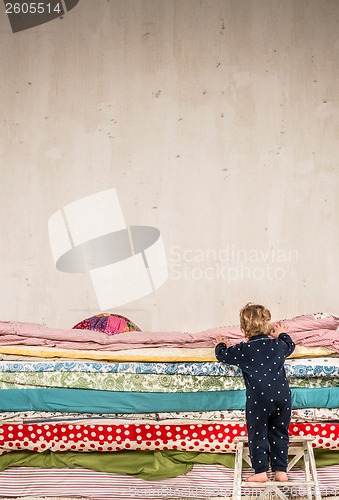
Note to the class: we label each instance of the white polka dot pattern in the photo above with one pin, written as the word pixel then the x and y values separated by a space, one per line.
pixel 211 437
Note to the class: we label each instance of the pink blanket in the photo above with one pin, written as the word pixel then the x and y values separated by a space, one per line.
pixel 309 330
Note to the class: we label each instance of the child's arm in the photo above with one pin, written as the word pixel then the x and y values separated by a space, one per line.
pixel 279 331
pixel 225 352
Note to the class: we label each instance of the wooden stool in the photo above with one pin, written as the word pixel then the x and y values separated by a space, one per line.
pixel 298 447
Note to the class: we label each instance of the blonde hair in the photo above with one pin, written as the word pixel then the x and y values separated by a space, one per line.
pixel 255 319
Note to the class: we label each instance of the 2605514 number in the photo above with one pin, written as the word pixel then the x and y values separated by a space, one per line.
pixel 32 8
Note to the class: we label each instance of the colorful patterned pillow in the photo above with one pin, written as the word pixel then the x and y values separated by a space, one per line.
pixel 107 323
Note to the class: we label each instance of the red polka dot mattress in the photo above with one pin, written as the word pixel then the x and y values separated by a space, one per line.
pixel 202 437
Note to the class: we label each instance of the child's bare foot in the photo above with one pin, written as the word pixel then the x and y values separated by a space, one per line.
pixel 280 476
pixel 258 478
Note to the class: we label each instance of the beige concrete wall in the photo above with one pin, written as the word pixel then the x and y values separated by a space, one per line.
pixel 216 121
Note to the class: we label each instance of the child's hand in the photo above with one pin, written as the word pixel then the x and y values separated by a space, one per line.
pixel 278 328
pixel 219 340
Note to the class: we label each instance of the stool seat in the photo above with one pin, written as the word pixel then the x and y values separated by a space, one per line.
pixel 290 484
pixel 299 447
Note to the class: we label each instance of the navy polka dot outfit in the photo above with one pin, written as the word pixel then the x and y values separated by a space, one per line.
pixel 268 396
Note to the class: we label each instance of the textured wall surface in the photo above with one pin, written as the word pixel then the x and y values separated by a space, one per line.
pixel 216 121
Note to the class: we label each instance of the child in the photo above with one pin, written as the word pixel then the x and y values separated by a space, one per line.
pixel 268 397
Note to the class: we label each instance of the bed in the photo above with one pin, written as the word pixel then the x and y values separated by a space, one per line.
pixel 147 411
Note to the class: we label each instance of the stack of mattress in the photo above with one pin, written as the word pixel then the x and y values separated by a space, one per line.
pixel 120 409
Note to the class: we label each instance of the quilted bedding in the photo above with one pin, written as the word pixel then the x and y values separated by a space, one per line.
pixel 82 392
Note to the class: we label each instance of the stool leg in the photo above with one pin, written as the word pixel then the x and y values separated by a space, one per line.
pixel 317 493
pixel 307 471
pixel 238 472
